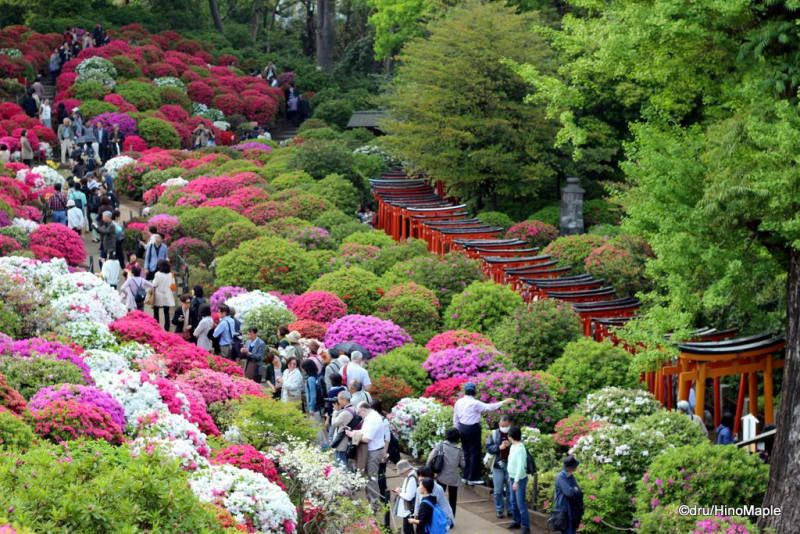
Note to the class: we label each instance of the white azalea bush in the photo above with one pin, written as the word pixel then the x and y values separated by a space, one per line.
pixel 89 334
pixel 618 405
pixel 407 413
pixel 103 361
pixel 39 273
pixel 26 224
pixel 177 182
pixel 98 69
pixel 178 449
pixel 170 81
pixel 245 303
pixel 114 165
pixel 429 430
pixel 49 176
pixel 162 424
pixel 248 496
pixel 137 397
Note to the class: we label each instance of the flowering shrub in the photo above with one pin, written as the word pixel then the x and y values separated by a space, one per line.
pixel 193 251
pixel 57 237
pixel 65 420
pixel 587 365
pixel 456 338
pixel 388 390
pixel 536 334
pixel 269 263
pixel 319 306
pixel 618 405
pixel 82 395
pixel 446 391
pixel 88 334
pixel 263 423
pixel 132 391
pixel 413 307
pixel 309 328
pixel 358 289
pixel 570 429
pixel 572 250
pixel 248 457
pixel 533 402
pixel 621 261
pixel 248 303
pixel 267 319
pixel 232 235
pixel 429 431
pixel 481 307
pixel 37 348
pixel 162 424
pixel 668 519
pixel 468 361
pixel 10 399
pixel 406 414
pixel 223 294
pixel 405 363
pixel 183 400
pixel 312 238
pixel 375 335
pixel 8 245
pixel 15 434
pixel 447 276
pixel 536 233
pixel 178 449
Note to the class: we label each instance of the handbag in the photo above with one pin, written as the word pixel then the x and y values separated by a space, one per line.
pixel 150 299
pixel 558 521
pixel 489 460
pixel 173 286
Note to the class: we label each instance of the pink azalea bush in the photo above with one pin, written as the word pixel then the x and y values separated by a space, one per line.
pixel 65 242
pixel 66 420
pixel 457 338
pixel 570 429
pixel 536 233
pixel 166 225
pixel 222 294
pixel 533 403
pixel 468 361
pixel 248 457
pixel 217 387
pixel 374 334
pixel 319 306
pixel 37 347
pixel 80 394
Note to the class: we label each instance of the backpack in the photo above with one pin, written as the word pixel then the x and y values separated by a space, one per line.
pixel 530 464
pixel 139 295
pixel 437 463
pixel 439 522
pixel 394 448
pixel 78 203
pixel 321 394
pixel 236 340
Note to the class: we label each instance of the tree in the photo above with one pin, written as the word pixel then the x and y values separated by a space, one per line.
pixel 457 110
pixel 398 21
pixel 326 33
pixel 214 8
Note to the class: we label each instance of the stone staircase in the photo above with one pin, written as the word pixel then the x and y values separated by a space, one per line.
pixel 50 92
pixel 283 130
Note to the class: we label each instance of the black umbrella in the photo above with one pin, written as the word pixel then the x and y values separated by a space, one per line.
pixel 347 348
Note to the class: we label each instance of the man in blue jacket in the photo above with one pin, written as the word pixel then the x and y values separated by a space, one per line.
pixel 568 497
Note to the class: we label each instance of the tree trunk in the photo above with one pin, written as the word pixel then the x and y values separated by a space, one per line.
pixel 326 33
pixel 256 19
pixel 212 5
pixel 310 33
pixel 783 490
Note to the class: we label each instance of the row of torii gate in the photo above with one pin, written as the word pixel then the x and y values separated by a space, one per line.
pixel 410 208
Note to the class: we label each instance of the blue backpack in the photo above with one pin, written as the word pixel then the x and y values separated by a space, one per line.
pixel 439 522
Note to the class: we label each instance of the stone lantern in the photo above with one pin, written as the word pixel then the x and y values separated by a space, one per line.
pixel 572 207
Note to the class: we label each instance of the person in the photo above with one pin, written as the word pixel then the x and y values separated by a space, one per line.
pixel 372 435
pixel 111 269
pixel 273 373
pixel 292 104
pixel 25 148
pixel 180 319
pixel 313 350
pixel 387 438
pixel 163 287
pixel 155 252
pixel 133 261
pixel 197 300
pixel 99 35
pixel 100 145
pixel 518 477
pixel 225 331
pixel 108 235
pixel 131 288
pixel 568 498
pixel 77 123
pixel 120 235
pixel 270 72
pixel 29 104
pixel 5 153
pixel 253 353
pixel 75 219
pixel 66 136
pixel 332 367
pixel 313 400
pixel 58 206
pixel 292 382
pixel 354 371
pixel 724 430
pixel 450 475
pixel 46 113
pixel 55 66
pixel 406 495
pixel 203 328
pixel 292 346
pixel 77 194
pixel 498 444
pixel 467 419
pixel 303 109
pixel 438 492
pixel 115 141
pixel 684 407
pixel 332 394
pixel 343 416
pixel 358 393
pixel 428 501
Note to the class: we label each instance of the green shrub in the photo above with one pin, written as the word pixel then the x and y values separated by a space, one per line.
pixel 233 234
pixel 548 214
pixel 268 319
pixel 376 238
pixel 413 307
pixel 15 435
pixel 93 108
pixel 618 406
pixel 332 218
pixel 173 95
pixel 542 447
pixel 29 375
pixel 95 487
pixel 395 253
pixel 312 124
pixel 267 263
pixel 11 323
pixel 495 218
pixel 621 262
pixel 668 519
pixel 126 67
pixel 572 250
pixel 604 230
pixel 599 211
pixel 358 288
pixel 325 134
pixel 159 133
pixel 447 276
pixel 339 191
pixel 142 95
pixel 326 260
pixel 203 223
pixel 320 158
pixel 429 431
pixel 88 90
pixel 264 422
pixel 703 475
pixel 292 180
pixel 336 112
pixel 536 334
pixel 17 234
pixel 587 365
pixel 481 307
pixel 681 429
pixel 403 362
pixel 341 231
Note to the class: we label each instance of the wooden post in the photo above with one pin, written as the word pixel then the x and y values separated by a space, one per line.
pixel 753 394
pixel 769 418
pixel 700 390
pixel 717 403
pixel 737 420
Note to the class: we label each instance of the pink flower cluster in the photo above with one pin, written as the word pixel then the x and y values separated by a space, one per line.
pixel 468 361
pixel 533 404
pixel 457 338
pixel 319 306
pixel 218 387
pixel 56 240
pixel 166 225
pixel 67 420
pixel 248 457
pixel 222 294
pixel 36 347
pixel 197 412
pixel 239 200
pixel 80 394
pixel 537 233
pixel 376 335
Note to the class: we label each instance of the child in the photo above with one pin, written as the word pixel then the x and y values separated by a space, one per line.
pixel 425 518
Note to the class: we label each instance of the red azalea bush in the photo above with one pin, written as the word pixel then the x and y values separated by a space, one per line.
pixel 319 306
pixel 457 338
pixel 389 390
pixel 8 244
pixel 10 398
pixel 570 429
pixel 224 365
pixel 58 237
pixel 66 420
pixel 446 391
pixel 536 233
pixel 248 457
pixel 309 328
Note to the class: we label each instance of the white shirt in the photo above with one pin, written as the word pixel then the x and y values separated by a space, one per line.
pixel 372 431
pixel 44 114
pixel 75 218
pixel 356 372
pixel 468 410
pixel 111 272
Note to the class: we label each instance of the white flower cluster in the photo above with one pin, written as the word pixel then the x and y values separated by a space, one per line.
pixel 98 69
pixel 170 81
pixel 162 424
pixel 407 412
pixel 137 397
pixel 222 125
pixel 84 296
pixel 175 182
pixel 179 449
pixel 133 350
pixel 212 114
pixel 49 176
pixel 103 361
pixel 627 448
pixel 89 335
pixel 618 405
pixel 11 52
pixel 26 224
pixel 247 495
pixel 245 303
pixel 115 164
pixel 39 273
pixel 374 150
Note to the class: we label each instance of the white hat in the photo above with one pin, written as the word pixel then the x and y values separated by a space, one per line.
pixel 293 336
pixel 70 203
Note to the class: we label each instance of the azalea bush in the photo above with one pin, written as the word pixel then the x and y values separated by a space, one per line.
pixel 536 233
pixel 358 289
pixel 534 403
pixel 321 306
pixel 451 339
pixel 618 405
pixel 10 398
pixel 587 365
pixel 248 457
pixel 413 307
pixel 82 395
pixel 447 276
pixel 404 363
pixel 542 447
pixel 267 319
pixel 572 250
pixel 406 414
pixel 534 335
pixel 668 519
pixel 376 335
pixel 468 361
pixel 429 431
pixel 29 375
pixel 223 294
pixel 389 390
pixel 57 241
pixel 570 429
pixel 231 235
pixel 263 423
pixel 309 329
pixel 446 391
pixel 621 261
pixel 202 223
pixel 481 307
pixel 15 434
pixel 66 420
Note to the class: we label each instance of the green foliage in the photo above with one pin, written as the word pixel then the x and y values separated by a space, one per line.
pixel 542 447
pixel 88 90
pixel 264 422
pixel 396 22
pixel 173 95
pixel 319 158
pixel 572 250
pixel 481 307
pixel 341 231
pixel 336 112
pixel 339 190
pixel 621 262
pixel 457 107
pixel 267 263
pixel 203 223
pixel 429 431
pixel 600 211
pixel 332 218
pixel 549 214
pixel 617 405
pixel 358 288
pixel 15 435
pixel 495 218
pixel 159 133
pixel 233 234
pixel 703 475
pixel 292 180
pixel 126 67
pixel 93 108
pixel 536 334
pixel 29 375
pixel 668 519
pixel 680 428
pixel 587 365
pixel 142 95
pixel 403 362
pixel 268 319
pixel 413 307
pixel 376 238
pixel 10 321
pixel 397 252
pixel 95 487
pixel 447 276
